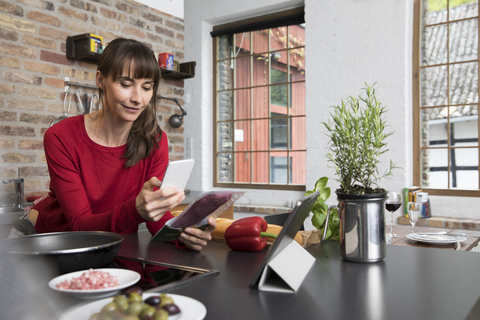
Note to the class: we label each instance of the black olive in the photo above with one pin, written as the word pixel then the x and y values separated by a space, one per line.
pixel 153 300
pixel 171 309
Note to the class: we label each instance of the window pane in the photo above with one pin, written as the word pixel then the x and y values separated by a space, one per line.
pixel 298 133
pixel 225 137
pixel 278 38
pixel 279 95
pixel 242 135
pixel 297 64
pixel 463 9
pixel 464 83
pixel 242 167
pixel 224 105
pixel 242 72
pixel 433 49
pixel 434 127
pixel 298 98
pixel 298 171
pixel 279 133
pixel 434 11
pixel 260 167
pixel 225 75
pixel 260 70
pixel 280 169
pixel 225 47
pixel 433 86
pixel 260 102
pixel 260 41
pixel 464 168
pixel 242 104
pixel 225 165
pixel 242 43
pixel 463 40
pixel 260 136
pixel 464 126
pixel 466 180
pixel 434 168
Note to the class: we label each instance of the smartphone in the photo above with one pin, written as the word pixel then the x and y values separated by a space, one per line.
pixel 177 174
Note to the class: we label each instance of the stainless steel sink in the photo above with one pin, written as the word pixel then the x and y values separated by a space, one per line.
pixel 7 214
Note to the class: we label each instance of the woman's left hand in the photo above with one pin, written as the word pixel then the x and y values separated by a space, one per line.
pixel 196 239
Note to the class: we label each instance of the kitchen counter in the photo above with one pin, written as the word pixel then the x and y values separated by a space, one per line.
pixel 411 283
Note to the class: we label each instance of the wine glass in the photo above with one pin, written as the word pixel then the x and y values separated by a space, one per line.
pixel 394 202
pixel 413 213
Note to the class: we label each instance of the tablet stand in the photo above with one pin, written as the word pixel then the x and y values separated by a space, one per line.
pixel 286 271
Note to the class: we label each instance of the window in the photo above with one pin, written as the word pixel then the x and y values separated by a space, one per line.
pixel 259 103
pixel 445 97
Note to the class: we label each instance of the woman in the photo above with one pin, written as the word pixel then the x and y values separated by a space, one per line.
pixel 106 167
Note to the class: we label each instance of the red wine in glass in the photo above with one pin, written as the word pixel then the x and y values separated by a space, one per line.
pixel 393 203
pixel 392 206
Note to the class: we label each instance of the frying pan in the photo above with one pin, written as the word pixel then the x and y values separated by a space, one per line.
pixel 69 251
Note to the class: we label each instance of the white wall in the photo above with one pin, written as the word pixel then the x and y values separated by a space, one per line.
pixel 348 42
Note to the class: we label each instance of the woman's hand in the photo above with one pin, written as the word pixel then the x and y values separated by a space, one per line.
pixel 196 239
pixel 152 205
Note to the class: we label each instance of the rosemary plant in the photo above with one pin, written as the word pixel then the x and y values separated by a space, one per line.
pixel 357 140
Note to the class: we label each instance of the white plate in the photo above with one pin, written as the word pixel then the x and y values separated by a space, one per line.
pixel 126 278
pixel 436 239
pixel 190 309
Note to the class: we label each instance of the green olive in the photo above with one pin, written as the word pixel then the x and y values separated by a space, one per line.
pixel 149 311
pixel 135 297
pixel 129 317
pixel 135 308
pixel 161 315
pixel 166 300
pixel 122 302
pixel 108 309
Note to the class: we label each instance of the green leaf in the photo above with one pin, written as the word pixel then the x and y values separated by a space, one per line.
pixel 318 219
pixel 320 208
pixel 325 194
pixel 321 183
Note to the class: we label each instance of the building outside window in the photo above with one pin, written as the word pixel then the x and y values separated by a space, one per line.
pixel 259 95
pixel 445 97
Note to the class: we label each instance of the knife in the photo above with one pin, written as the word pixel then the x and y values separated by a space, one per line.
pixel 443 233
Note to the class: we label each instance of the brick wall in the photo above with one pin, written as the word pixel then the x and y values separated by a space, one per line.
pixel 33 66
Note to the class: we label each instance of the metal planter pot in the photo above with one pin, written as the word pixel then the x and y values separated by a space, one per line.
pixel 362 226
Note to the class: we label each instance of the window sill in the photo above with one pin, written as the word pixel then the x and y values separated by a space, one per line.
pixel 444 222
pixel 261 209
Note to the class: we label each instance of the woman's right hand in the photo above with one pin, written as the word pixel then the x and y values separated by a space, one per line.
pixel 152 205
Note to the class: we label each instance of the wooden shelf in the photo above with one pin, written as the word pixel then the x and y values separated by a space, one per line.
pixel 79 48
pixel 187 71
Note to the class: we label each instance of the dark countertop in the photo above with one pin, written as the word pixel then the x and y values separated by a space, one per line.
pixel 411 283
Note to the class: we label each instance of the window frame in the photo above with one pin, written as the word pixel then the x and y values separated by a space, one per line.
pixel 259 23
pixel 416 96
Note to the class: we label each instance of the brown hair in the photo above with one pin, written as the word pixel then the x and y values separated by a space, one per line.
pixel 145 133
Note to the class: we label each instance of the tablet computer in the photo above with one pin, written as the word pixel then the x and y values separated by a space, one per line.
pixel 290 228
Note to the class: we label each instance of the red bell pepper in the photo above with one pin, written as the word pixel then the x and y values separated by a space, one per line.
pixel 248 234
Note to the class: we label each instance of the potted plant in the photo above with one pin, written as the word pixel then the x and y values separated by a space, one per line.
pixel 332 226
pixel 358 136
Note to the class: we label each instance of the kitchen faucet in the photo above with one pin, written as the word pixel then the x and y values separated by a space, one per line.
pixel 19 191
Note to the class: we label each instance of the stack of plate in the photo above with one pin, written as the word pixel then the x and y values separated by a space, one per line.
pixel 439 239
